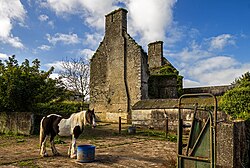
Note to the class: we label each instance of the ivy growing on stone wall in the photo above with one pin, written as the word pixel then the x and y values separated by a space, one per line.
pixel 170 71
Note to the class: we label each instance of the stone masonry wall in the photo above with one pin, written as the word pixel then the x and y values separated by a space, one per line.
pixel 107 69
pixel 156 118
pixel 215 90
pixel 162 86
pixel 98 81
pixel 17 122
pixel 155 54
pixel 233 146
pixel 136 71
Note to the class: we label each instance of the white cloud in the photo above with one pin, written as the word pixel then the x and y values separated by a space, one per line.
pixel 92 40
pixel 3 56
pixel 174 34
pixel 70 38
pixel 189 83
pixel 213 71
pixel 221 41
pixel 215 63
pixel 193 52
pixel 87 53
pixel 43 18
pixel 151 18
pixel 44 47
pixel 15 42
pixel 54 76
pixel 224 76
pixel 5 27
pixel 93 11
pixel 201 67
pixel 11 12
pixel 51 23
pixel 57 65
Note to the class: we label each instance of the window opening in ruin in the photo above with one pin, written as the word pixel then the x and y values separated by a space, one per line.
pixel 112 18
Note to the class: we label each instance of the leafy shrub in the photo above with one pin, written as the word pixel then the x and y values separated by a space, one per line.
pixel 236 102
pixel 64 108
pixel 23 86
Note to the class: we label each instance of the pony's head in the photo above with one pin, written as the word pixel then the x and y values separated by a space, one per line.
pixel 90 118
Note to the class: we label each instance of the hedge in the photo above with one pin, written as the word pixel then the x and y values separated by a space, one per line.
pixel 236 103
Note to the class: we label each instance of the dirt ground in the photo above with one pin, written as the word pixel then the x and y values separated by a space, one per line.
pixel 112 150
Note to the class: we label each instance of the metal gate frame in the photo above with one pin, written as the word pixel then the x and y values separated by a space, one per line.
pixel 210 125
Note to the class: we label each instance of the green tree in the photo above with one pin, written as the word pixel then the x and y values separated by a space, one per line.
pixel 243 81
pixel 236 102
pixel 23 86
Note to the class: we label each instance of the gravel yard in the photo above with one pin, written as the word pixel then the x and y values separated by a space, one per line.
pixel 112 150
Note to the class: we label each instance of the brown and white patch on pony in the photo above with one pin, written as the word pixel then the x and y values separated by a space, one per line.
pixel 49 127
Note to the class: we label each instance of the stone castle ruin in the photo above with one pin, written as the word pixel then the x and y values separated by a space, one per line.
pixel 124 77
pixel 122 73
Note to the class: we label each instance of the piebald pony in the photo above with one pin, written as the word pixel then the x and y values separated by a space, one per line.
pixel 54 124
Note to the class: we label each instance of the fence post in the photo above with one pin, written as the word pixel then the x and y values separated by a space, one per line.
pixel 120 125
pixel 166 126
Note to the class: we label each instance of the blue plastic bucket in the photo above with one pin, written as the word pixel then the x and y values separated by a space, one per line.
pixel 85 153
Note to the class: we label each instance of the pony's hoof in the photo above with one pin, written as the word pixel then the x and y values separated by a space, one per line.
pixel 73 156
pixel 45 155
pixel 57 154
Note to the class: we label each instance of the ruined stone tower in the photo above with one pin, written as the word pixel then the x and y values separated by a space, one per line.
pixel 118 73
pixel 120 70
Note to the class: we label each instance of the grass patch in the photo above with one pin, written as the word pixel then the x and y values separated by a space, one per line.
pixel 58 140
pixel 10 135
pixel 28 163
pixel 20 140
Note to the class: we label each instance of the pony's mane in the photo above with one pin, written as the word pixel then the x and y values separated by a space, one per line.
pixel 79 118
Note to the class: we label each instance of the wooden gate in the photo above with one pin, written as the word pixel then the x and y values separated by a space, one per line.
pixel 197 140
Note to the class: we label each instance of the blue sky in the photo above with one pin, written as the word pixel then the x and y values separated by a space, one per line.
pixel 208 41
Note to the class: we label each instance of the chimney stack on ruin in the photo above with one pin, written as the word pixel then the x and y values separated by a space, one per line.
pixel 155 54
pixel 116 22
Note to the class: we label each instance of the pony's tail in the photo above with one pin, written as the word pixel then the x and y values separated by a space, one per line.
pixel 41 132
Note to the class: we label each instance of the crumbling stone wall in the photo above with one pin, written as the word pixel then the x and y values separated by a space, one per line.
pixel 17 123
pixel 162 86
